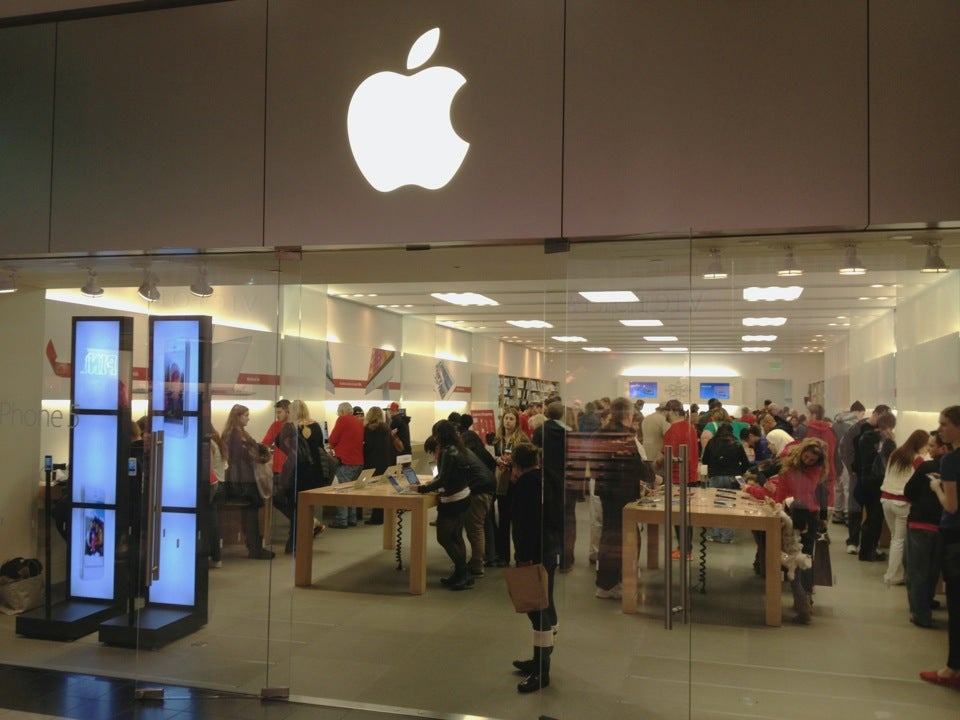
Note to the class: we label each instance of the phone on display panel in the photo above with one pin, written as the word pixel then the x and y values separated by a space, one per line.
pixel 91 564
pixel 176 359
pixel 48 462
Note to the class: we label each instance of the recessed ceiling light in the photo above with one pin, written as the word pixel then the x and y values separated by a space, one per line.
pixel 758 338
pixel 660 338
pixel 882 297
pixel 529 324
pixel 467 298
pixel 863 298
pixel 597 349
pixel 569 338
pixel 764 321
pixel 755 348
pixel 876 285
pixel 673 349
pixel 770 294
pixel 832 324
pixel 611 296
pixel 641 323
pixel 841 317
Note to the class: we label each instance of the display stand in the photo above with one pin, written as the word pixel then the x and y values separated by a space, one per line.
pixel 172 602
pixel 102 369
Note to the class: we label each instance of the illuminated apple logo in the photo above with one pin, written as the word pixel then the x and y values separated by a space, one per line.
pixel 399 125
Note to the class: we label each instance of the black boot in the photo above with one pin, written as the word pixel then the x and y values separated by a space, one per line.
pixel 540 677
pixel 527 667
pixel 461 580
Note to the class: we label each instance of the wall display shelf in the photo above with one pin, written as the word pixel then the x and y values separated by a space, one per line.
pixel 515 391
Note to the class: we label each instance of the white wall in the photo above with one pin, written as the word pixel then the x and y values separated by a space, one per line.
pixel 587 377
pixel 21 383
pixel 909 358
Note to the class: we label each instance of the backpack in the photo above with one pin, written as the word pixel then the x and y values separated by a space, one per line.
pixel 21 569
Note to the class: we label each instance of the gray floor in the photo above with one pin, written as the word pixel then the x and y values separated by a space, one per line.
pixel 356 644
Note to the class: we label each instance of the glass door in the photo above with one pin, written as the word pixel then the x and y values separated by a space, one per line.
pixel 626 356
pixel 146 363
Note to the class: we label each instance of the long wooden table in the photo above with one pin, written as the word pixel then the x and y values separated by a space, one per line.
pixel 380 495
pixel 748 514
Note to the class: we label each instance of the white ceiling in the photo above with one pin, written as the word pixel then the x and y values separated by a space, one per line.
pixel 666 276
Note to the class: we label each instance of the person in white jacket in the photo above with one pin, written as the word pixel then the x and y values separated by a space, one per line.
pixel 903 461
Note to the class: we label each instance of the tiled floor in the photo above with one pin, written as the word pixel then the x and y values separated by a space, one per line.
pixel 356 645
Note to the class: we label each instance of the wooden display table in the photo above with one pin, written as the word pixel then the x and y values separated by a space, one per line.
pixel 380 495
pixel 748 514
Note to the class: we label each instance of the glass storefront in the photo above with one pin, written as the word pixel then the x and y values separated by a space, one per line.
pixel 366 328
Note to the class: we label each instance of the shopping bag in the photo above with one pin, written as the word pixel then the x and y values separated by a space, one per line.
pixel 822 570
pixel 528 587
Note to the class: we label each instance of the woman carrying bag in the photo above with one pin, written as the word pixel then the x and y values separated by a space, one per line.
pixel 241 480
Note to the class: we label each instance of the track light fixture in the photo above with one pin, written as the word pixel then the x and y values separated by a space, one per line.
pixel 201 288
pixel 934 263
pixel 790 267
pixel 8 283
pixel 852 265
pixel 148 289
pixel 714 268
pixel 91 288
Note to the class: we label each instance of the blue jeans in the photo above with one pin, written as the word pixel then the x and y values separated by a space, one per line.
pixel 922 559
pixel 722 481
pixel 344 515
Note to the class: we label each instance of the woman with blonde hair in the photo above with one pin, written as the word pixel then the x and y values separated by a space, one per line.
pixel 903 461
pixel 241 481
pixel 509 436
pixel 378 453
pixel 803 477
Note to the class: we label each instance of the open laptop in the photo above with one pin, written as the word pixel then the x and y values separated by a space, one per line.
pixel 363 479
pixel 391 470
pixel 411 476
pixel 401 488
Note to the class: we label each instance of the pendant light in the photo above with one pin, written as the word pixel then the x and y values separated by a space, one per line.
pixel 934 263
pixel 91 288
pixel 851 263
pixel 714 268
pixel 201 288
pixel 790 267
pixel 148 289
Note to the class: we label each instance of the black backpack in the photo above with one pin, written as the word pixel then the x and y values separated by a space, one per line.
pixel 21 569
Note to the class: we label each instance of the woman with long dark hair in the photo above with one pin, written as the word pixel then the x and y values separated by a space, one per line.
pixel 453 479
pixel 538 538
pixel 242 456
pixel 946 489
pixel 903 461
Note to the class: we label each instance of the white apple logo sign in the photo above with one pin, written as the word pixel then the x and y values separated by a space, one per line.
pixel 399 125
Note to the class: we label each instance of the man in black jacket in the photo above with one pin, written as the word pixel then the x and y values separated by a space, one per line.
pixel 873 448
pixel 551 437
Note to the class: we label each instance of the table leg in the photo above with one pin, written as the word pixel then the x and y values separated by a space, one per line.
pixel 418 550
pixel 303 566
pixel 653 546
pixel 774 582
pixel 389 528
pixel 628 567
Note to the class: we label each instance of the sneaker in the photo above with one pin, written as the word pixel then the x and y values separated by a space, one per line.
pixel 216 563
pixel 318 528
pixel 614 593
pixel 839 518
pixel 852 549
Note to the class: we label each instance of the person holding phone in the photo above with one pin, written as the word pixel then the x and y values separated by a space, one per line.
pixel 945 486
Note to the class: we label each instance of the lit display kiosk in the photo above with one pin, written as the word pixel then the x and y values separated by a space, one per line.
pixel 173 570
pixel 100 543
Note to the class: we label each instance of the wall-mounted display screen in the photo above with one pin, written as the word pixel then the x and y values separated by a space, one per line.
pixel 92 533
pixel 642 390
pixel 96 356
pixel 720 391
pixel 94 472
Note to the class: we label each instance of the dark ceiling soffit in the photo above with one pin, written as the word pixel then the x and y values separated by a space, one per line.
pixel 101 11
